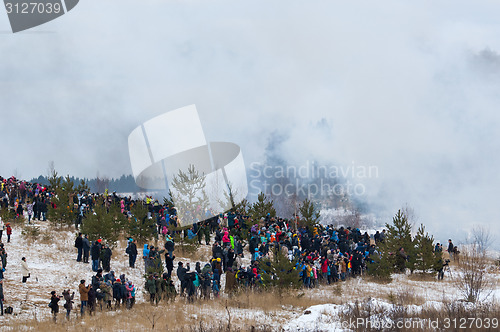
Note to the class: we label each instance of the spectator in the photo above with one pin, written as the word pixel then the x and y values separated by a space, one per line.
pixel 24 269
pixel 79 246
pixel 1 297
pixel 84 296
pixel 69 302
pixel 86 248
pixel 9 231
pixel 54 304
pixel 451 248
pixel 2 226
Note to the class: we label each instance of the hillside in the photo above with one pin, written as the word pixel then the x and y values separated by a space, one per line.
pixel 52 261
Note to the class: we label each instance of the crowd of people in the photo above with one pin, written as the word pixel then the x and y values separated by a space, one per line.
pixel 239 248
pixel 104 292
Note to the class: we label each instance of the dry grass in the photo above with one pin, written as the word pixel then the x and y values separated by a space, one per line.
pixel 404 295
pixel 452 313
pixel 249 311
pixel 422 277
pixel 270 301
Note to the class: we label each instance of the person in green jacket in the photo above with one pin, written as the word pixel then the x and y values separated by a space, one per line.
pixel 171 292
pixel 107 290
pixel 206 231
pixel 159 291
pixel 150 287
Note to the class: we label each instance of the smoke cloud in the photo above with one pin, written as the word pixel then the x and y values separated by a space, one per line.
pixel 409 88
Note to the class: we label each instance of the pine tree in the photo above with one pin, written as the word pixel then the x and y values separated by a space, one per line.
pixel 101 224
pixel 139 227
pixel 183 244
pixel 227 204
pixel 82 186
pixel 310 214
pixel 426 259
pixel 61 208
pixel 279 273
pixel 380 266
pixel 189 196
pixel 242 207
pixel 398 236
pixel 169 200
pixel 261 208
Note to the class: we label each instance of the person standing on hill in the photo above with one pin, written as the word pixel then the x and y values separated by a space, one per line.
pixel 54 304
pixel 79 246
pixel 451 247
pixel 95 252
pixel 132 252
pixel 181 274
pixel 1 297
pixel 169 245
pixel 9 231
pixel 29 209
pixel 3 256
pixel 86 248
pixel 69 302
pixel 169 264
pixel 106 254
pixel 2 226
pixel 84 296
pixel 43 210
pixel 24 269
pixel 150 287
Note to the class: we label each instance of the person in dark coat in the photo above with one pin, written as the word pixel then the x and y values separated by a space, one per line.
pixel 106 254
pixel 169 264
pixel 132 253
pixel 86 248
pixel 189 278
pixel 54 304
pixel 96 279
pixel 123 292
pixel 217 251
pixel 43 210
pixel 79 246
pixel 117 292
pixel 170 246
pixel 1 297
pixel 92 300
pixel 181 273
pixel 69 302
pixel 110 277
pixel 451 248
pixel 95 253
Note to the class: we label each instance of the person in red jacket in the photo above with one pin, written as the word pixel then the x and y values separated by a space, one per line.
pixel 9 231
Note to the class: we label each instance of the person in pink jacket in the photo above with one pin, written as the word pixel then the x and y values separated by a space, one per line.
pixel 225 239
pixel 130 296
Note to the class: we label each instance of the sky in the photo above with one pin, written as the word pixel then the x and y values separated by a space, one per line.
pixel 410 88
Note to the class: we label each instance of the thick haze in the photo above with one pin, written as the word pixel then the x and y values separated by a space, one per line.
pixel 410 88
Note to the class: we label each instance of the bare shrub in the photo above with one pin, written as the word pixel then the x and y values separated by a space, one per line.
pixel 474 281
